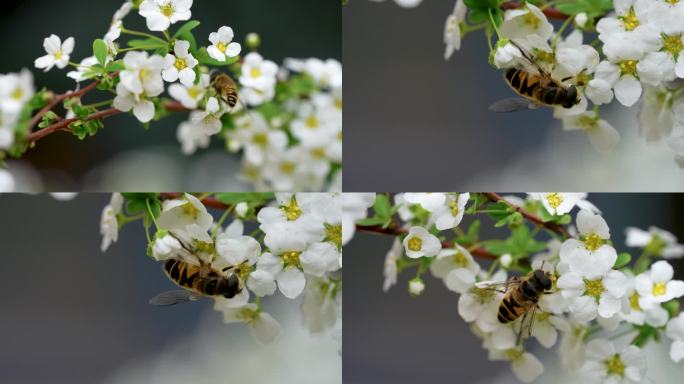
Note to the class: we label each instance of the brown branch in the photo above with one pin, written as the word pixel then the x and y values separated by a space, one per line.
pixel 553 227
pixel 57 99
pixel 477 251
pixel 549 12
pixel 209 201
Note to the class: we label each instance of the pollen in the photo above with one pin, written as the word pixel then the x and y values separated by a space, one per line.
pixel 333 233
pixel 593 242
pixel 166 9
pixel 260 139
pixel 255 73
pixel 453 206
pixel 659 289
pixel 582 79
pixel 615 366
pixel 58 54
pixel 513 353
pixel 531 19
pixel 672 44
pixel 586 122
pixel 593 288
pixel 312 122
pixel 190 210
pixel 460 260
pixel 628 68
pixel 291 258
pixel 554 199
pixel 415 243
pixel 484 295
pixel 243 271
pixel 194 92
pixel 630 20
pixel 144 73
pixel 291 209
pixel 222 46
pixel 542 316
pixel 673 2
pixel 287 167
pixel 249 314
pixel 634 301
pixel 17 94
pixel 180 64
pixel 318 153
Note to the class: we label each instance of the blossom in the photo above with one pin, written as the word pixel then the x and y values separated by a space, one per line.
pixel 656 241
pixel 416 287
pixel 258 79
pixel 256 137
pixel 525 365
pixel 180 66
pixel 590 256
pixel 629 26
pixel 179 214
pixel 209 120
pixel 419 242
pixel 605 364
pixel 262 325
pixel 166 246
pixel 321 306
pixel 191 137
pixel 656 116
pixel 523 22
pixel 655 316
pixel 160 14
pixel 596 296
pixel 142 73
pixel 429 201
pixel 656 286
pixel 451 213
pixel 7 182
pixel 452 29
pixel 456 267
pixel 326 73
pixel 223 45
pixel 507 55
pixel 15 90
pixel 603 136
pixel 675 331
pixel 114 31
pixel 190 96
pixel 354 208
pixel 391 258
pixel 558 203
pixel 125 100
pixel 109 226
pixel 83 68
pixel 58 53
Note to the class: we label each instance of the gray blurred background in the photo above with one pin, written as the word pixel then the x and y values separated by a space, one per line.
pixel 394 338
pixel 124 156
pixel 72 314
pixel 414 122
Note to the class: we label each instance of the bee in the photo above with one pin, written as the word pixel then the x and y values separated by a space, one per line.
pixel 197 281
pixel 536 87
pixel 225 88
pixel 521 295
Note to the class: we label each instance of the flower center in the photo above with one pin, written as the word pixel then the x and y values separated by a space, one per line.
pixel 582 79
pixel 545 56
pixel 630 20
pixel 144 73
pixel 222 46
pixel 249 315
pixel 659 289
pixel 460 259
pixel 260 139
pixel 615 366
pixel 190 210
pixel 673 2
pixel 194 92
pixel 655 246
pixel 513 353
pixel 291 209
pixel 531 20
pixel 243 271
pixel 586 122
pixel 593 242
pixel 291 259
pixel 634 301
pixel 628 68
pixel 672 44
pixel 318 153
pixel 17 94
pixel 255 73
pixel 180 64
pixel 415 243
pixel 312 122
pixel 203 247
pixel 58 54
pixel 287 167
pixel 541 316
pixel 166 9
pixel 593 288
pixel 333 233
pixel 483 294
pixel 453 206
pixel 554 199
pixel 338 104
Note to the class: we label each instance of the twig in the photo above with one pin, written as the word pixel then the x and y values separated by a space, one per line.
pixel 553 227
pixel 57 99
pixel 551 13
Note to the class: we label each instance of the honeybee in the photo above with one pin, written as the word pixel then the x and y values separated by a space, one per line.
pixel 197 280
pixel 537 89
pixel 225 88
pixel 521 295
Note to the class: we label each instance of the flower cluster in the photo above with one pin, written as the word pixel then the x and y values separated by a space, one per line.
pixel 287 120
pixel 597 297
pixel 295 250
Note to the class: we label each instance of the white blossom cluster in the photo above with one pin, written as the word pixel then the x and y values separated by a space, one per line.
pixel 16 89
pixel 300 255
pixel 590 299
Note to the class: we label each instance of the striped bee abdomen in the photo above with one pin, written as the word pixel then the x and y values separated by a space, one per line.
pixel 509 309
pixel 211 283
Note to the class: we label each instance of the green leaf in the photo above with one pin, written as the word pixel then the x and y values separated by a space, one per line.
pixel 382 206
pixel 372 221
pixel 187 27
pixel 100 51
pixel 147 44
pixel 646 332
pixel 246 197
pixel 672 307
pixel 203 57
pixel 115 66
pixel 622 260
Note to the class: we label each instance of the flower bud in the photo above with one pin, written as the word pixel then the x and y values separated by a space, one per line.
pixel 253 41
pixel 506 260
pixel 581 19
pixel 241 209
pixel 416 286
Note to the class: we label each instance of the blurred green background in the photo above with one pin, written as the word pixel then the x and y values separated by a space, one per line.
pixel 72 314
pixel 393 338
pixel 292 28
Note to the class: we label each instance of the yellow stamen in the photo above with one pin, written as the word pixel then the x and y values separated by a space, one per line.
pixel 167 9
pixel 222 47
pixel 659 289
pixel 291 209
pixel 287 167
pixel 180 64
pixel 291 259
pixel 593 288
pixel 260 139
pixel 615 366
pixel 255 72
pixel 312 122
pixel 554 199
pixel 415 243
pixel 628 68
pixel 672 44
pixel 634 301
pixel 630 20
pixel 593 242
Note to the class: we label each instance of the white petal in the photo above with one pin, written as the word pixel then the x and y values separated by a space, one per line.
pixel 261 283
pixel 144 111
pixel 265 328
pixel 527 367
pixel 627 90
pixel 459 280
pixel 677 351
pixel 291 282
pixel 661 271
pixel 603 137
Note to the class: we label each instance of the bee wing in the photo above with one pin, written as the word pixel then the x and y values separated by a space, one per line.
pixel 499 286
pixel 174 297
pixel 526 324
pixel 513 104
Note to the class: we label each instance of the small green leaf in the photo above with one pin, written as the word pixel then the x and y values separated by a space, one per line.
pixel 372 221
pixel 115 66
pixel 622 260
pixel 382 206
pixel 100 50
pixel 187 27
pixel 672 307
pixel 147 44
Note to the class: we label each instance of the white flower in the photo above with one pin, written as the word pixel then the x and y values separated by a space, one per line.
pixel 160 14
pixel 209 120
pixel 525 365
pixel 581 19
pixel 591 256
pixel 572 346
pixel 606 365
pixel 15 90
pixel 354 208
pixel 109 226
pixel 166 247
pixel 115 28
pixel 630 27
pixel 263 326
pixel 452 29
pixel 190 96
pixel 58 53
pixel 326 73
pixel 523 22
pixel 253 134
pixel 656 241
pixel 656 286
pixel 416 287
pixel 655 316
pixel 125 100
pixel 601 134
pixel 430 201
pixel 451 213
pixel 675 331
pixel 223 45
pixel 82 69
pixel 623 70
pixel 179 214
pixel 191 137
pixel 321 306
pixel 258 73
pixel 390 270
pixel 7 183
pixel 656 117
pixel 456 267
pixel 507 55
pixel 558 203
pixel 180 66
pixel 596 296
pixel 142 73
pixel 419 242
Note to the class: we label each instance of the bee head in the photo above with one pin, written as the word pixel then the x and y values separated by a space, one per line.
pixel 570 97
pixel 543 279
